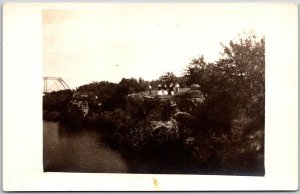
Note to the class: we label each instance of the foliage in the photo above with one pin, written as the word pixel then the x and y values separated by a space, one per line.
pixel 222 122
pixel 233 84
pixel 103 90
pixel 113 95
pixel 152 133
pixel 132 85
pixel 194 71
pixel 233 108
pixel 66 91
pixel 181 80
pixel 125 87
pixel 56 101
pixel 167 78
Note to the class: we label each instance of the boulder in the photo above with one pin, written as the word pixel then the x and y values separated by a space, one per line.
pixel 152 108
pixel 195 87
pixel 145 133
pixel 166 131
pixel 76 112
pixel 183 117
pixel 185 121
pixel 78 107
pixel 189 100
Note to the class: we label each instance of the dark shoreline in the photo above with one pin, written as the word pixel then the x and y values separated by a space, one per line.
pixel 154 128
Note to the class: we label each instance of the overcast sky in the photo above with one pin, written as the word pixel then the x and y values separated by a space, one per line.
pixel 114 41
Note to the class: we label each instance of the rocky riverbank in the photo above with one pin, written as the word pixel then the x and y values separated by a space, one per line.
pixel 166 125
pixel 144 120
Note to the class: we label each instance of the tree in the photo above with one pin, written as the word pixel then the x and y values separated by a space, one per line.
pixel 167 78
pixel 233 84
pixel 194 71
pixel 133 85
pixel 142 85
pixel 246 59
pixel 239 72
pixel 182 80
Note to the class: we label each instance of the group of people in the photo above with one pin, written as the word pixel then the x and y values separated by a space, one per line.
pixel 170 89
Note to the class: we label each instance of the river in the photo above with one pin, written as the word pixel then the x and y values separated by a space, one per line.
pixel 85 150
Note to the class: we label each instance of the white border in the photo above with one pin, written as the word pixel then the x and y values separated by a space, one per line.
pixel 22 127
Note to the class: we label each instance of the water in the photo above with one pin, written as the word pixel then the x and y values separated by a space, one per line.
pixel 85 150
pixel 74 150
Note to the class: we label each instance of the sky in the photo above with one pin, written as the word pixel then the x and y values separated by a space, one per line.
pixel 113 41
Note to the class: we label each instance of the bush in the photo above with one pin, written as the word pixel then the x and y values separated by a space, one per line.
pixel 56 101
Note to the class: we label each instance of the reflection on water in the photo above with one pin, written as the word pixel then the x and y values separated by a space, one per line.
pixel 76 150
pixel 84 150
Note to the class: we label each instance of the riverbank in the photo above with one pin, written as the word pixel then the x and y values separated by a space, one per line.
pixel 67 149
pixel 165 126
pixel 142 120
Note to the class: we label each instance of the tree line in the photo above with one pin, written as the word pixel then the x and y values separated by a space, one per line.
pixel 232 84
pixel 233 109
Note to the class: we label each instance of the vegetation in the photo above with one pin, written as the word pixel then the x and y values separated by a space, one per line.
pixel 56 101
pixel 234 107
pixel 225 130
pixel 234 85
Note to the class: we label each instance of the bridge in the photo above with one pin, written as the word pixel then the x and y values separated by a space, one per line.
pixel 56 80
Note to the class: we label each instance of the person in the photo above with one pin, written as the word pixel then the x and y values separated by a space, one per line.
pixel 165 92
pixel 150 90
pixel 159 92
pixel 177 88
pixel 171 89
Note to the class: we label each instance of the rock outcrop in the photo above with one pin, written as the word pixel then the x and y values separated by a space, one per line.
pixel 76 112
pixel 153 108
pixel 148 134
pixel 145 122
pixel 156 121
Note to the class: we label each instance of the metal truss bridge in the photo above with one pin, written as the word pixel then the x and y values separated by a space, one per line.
pixel 59 80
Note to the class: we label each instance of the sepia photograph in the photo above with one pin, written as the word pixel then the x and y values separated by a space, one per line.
pixel 107 109
pixel 150 96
